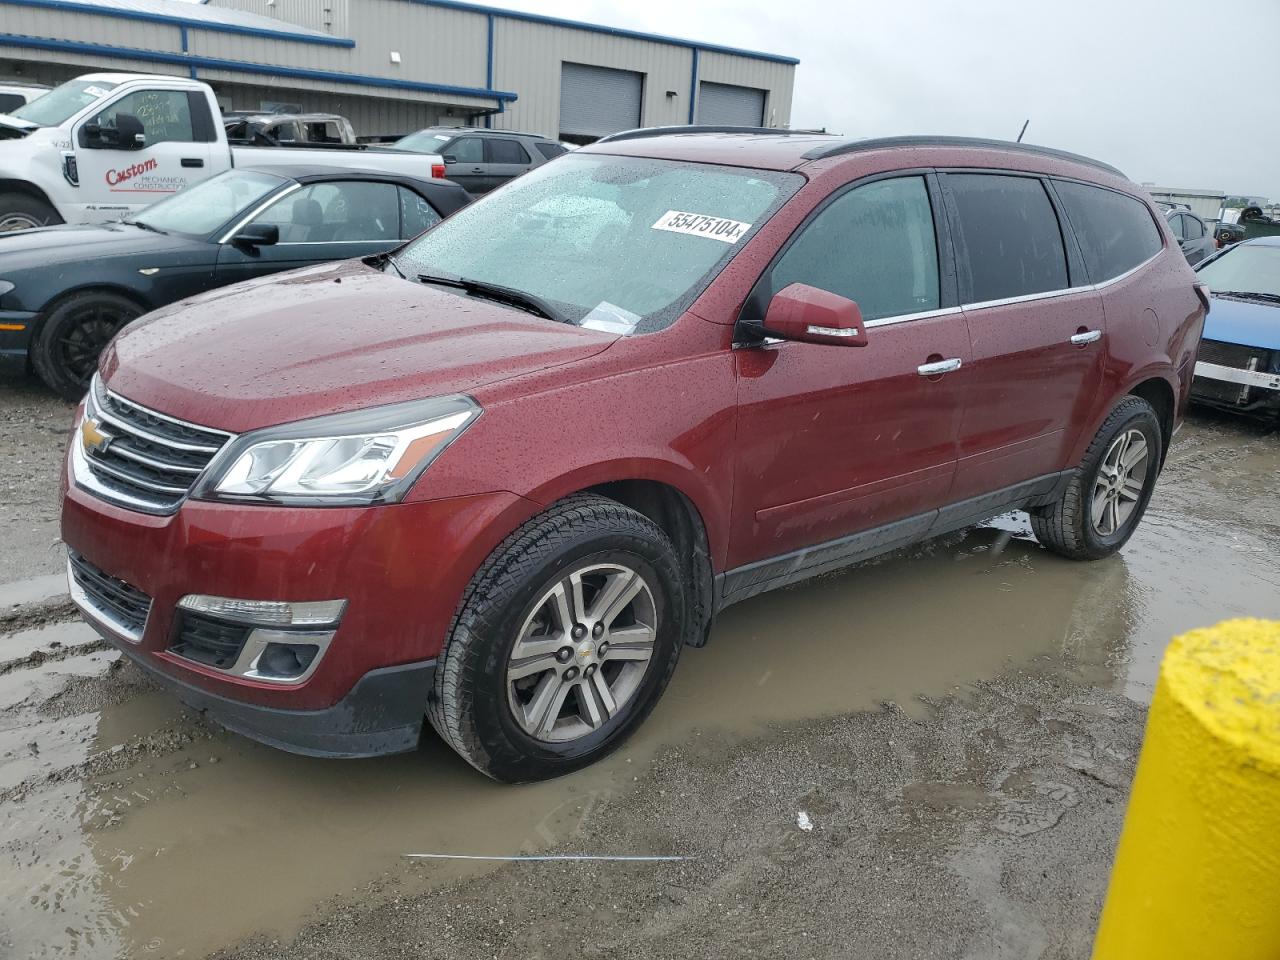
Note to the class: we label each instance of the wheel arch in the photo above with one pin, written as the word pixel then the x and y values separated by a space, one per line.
pixel 1158 392
pixel 1155 384
pixel 10 185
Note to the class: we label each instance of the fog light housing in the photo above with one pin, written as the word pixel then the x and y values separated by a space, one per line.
pixel 286 661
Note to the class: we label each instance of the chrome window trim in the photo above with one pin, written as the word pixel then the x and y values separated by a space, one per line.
pixel 1131 271
pixel 274 198
pixel 908 317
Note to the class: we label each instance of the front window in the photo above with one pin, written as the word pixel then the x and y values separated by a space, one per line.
pixel 62 103
pixel 165 115
pixel 1252 269
pixel 424 141
pixel 616 243
pixel 203 208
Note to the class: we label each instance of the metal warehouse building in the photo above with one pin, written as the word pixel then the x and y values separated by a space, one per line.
pixel 393 66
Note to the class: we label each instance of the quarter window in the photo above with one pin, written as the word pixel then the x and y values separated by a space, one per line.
pixel 1115 231
pixel 550 150
pixel 507 151
pixel 1010 240
pixel 874 244
pixel 416 215
pixel 165 115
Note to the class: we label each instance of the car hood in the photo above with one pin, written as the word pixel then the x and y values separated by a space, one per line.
pixel 325 340
pixel 1245 322
pixel 44 246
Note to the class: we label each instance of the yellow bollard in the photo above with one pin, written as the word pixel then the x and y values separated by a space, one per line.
pixel 1197 872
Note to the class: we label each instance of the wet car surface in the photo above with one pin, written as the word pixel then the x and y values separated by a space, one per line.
pixel 130 827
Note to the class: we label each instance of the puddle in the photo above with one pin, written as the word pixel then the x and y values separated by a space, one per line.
pixel 133 851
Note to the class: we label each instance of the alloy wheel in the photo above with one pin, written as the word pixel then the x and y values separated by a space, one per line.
pixel 18 221
pixel 88 331
pixel 582 653
pixel 1118 486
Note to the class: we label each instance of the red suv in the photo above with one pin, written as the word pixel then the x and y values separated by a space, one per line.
pixel 502 476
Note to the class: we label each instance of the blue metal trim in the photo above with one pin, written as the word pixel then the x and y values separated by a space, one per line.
pixel 182 32
pixel 597 28
pixel 214 63
pixel 693 90
pixel 214 26
pixel 488 72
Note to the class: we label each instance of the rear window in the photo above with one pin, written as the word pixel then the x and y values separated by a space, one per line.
pixel 1115 231
pixel 1010 241
pixel 507 151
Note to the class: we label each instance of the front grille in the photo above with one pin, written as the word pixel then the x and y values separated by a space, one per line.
pixel 120 602
pixel 1232 355
pixel 149 461
pixel 214 643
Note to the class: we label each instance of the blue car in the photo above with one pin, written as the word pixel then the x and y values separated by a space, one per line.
pixel 1239 364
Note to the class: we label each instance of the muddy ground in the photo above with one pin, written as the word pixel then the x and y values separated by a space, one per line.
pixel 958 724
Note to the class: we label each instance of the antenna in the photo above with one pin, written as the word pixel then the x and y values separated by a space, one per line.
pixel 1023 130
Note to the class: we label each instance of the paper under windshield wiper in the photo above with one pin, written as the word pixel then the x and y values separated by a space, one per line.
pixel 495 291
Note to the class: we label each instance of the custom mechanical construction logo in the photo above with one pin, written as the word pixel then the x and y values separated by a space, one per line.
pixel 138 179
pixel 117 177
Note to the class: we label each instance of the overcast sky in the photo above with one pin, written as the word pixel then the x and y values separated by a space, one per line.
pixel 1167 90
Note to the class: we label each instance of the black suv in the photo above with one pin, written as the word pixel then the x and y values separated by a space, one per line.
pixel 480 159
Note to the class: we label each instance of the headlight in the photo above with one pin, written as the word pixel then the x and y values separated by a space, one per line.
pixel 6 286
pixel 369 456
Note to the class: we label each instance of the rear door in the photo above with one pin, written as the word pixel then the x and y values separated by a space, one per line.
pixel 1197 241
pixel 833 441
pixel 1036 328
pixel 334 220
pixel 507 158
pixel 464 164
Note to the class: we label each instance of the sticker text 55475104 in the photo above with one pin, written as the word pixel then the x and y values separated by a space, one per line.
pixel 701 225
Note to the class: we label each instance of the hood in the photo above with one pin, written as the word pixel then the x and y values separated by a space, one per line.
pixel 324 340
pixel 1245 322
pixel 43 246
pixel 11 128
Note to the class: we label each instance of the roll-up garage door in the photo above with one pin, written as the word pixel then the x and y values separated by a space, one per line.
pixel 595 101
pixel 722 103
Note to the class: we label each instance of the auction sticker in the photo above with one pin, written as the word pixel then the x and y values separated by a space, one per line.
pixel 701 225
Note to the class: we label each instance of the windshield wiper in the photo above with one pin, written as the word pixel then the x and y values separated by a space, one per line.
pixel 145 226
pixel 1248 295
pixel 494 291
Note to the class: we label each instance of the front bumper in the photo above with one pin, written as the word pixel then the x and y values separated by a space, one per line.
pixel 402 569
pixel 382 714
pixel 1248 378
pixel 1236 389
pixel 16 330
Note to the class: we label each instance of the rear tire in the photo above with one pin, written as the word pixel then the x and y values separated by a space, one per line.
pixel 525 634
pixel 21 211
pixel 1101 506
pixel 66 348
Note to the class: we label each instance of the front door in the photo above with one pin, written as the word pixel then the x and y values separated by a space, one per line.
pixel 334 220
pixel 465 165
pixel 1038 346
pixel 116 181
pixel 834 441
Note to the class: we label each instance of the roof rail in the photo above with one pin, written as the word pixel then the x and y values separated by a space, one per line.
pixel 645 132
pixel 840 148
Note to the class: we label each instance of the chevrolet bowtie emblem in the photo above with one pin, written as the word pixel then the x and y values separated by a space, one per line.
pixel 91 435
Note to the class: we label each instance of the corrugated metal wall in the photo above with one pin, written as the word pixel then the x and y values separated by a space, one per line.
pixel 436 45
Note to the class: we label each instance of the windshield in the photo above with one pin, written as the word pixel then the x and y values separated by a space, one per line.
pixel 62 103
pixel 424 141
pixel 1247 268
pixel 614 243
pixel 203 208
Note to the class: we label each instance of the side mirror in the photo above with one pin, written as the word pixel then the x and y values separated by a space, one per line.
pixel 449 158
pixel 254 235
pixel 130 134
pixel 805 313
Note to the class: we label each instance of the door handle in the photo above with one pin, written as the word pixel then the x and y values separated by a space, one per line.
pixel 192 162
pixel 1086 336
pixel 941 366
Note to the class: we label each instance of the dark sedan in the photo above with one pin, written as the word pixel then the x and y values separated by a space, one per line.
pixel 65 291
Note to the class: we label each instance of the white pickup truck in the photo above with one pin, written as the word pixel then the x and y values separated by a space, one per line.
pixel 106 144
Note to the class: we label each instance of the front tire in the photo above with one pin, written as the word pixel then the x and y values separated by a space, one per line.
pixel 563 643
pixel 1101 506
pixel 21 211
pixel 74 333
